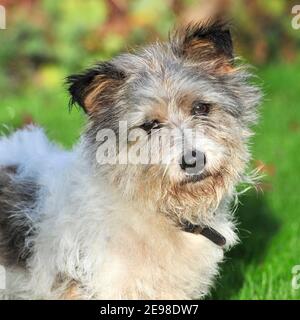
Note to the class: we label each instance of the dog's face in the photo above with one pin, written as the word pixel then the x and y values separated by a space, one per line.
pixel 185 96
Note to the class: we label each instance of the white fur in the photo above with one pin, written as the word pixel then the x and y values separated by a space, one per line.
pixel 90 236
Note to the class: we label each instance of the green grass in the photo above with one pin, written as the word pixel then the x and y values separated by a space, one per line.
pixel 47 108
pixel 260 266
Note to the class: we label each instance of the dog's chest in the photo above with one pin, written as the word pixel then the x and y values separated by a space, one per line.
pixel 155 265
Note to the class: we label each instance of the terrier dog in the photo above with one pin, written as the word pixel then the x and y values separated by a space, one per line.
pixel 74 225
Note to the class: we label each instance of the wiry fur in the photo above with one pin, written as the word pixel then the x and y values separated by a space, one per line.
pixel 17 198
pixel 112 231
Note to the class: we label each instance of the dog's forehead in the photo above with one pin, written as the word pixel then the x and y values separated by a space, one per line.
pixel 158 80
pixel 175 85
pixel 165 79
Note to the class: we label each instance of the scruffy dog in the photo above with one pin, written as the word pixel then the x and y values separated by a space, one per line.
pixel 73 226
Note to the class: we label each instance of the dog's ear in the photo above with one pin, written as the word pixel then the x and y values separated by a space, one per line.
pixel 208 42
pixel 95 86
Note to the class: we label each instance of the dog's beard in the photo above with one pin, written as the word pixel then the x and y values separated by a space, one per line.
pixel 192 198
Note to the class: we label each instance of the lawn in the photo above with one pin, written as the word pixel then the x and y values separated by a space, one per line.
pixel 260 267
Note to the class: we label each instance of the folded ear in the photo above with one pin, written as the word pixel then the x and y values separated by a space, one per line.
pixel 208 41
pixel 95 86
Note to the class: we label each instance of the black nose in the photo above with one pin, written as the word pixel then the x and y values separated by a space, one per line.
pixel 193 162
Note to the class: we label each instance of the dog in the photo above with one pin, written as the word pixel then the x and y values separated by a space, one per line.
pixel 74 225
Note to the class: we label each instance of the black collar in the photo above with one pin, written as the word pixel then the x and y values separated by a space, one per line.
pixel 208 232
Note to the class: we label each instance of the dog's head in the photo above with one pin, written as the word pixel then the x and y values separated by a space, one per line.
pixel 184 106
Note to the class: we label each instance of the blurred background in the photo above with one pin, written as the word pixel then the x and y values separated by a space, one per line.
pixel 46 40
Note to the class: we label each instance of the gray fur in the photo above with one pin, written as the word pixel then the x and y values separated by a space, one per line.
pixel 17 196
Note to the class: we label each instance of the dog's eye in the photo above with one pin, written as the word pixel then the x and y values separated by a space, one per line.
pixel 201 109
pixel 151 125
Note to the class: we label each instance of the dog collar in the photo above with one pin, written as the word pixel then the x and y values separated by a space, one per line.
pixel 208 232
